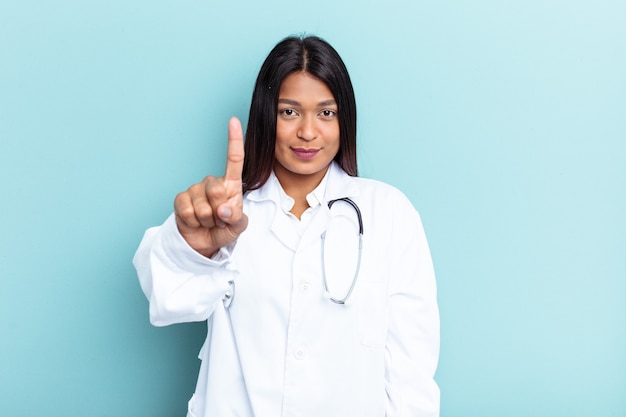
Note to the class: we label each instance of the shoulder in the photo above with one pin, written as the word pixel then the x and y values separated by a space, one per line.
pixel 385 208
pixel 382 193
pixel 340 184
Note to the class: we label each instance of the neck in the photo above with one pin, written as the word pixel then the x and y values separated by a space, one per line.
pixel 298 186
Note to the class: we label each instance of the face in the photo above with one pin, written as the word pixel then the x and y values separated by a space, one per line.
pixel 307 131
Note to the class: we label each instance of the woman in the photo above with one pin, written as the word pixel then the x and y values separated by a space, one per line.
pixel 317 285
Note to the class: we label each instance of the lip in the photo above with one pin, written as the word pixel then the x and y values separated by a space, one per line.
pixel 304 153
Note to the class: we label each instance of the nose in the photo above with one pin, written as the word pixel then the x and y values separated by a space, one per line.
pixel 307 130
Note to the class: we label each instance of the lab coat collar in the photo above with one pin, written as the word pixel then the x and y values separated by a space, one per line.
pixel 338 185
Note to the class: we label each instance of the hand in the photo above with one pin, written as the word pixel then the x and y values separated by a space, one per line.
pixel 209 215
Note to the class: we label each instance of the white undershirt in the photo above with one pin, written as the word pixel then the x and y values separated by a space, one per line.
pixel 314 200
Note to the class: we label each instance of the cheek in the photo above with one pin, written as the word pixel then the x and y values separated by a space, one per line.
pixel 282 132
pixel 336 136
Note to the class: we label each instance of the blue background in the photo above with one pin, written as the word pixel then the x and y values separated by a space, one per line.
pixel 504 122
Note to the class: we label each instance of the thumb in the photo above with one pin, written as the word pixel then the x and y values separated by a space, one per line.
pixel 234 218
pixel 225 212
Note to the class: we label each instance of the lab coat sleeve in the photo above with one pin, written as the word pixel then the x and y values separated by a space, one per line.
pixel 181 285
pixel 412 348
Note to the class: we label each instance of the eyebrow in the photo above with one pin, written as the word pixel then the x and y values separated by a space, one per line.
pixel 298 104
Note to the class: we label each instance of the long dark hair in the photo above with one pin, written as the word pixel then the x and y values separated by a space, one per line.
pixel 316 57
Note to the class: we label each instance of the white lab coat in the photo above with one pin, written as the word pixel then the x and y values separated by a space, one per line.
pixel 282 348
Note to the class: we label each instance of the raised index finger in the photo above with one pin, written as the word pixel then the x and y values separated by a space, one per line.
pixel 235 153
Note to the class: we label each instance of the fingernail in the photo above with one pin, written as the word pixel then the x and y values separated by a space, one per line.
pixel 226 213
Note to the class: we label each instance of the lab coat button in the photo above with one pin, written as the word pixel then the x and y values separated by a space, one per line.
pixel 305 287
pixel 230 293
pixel 299 354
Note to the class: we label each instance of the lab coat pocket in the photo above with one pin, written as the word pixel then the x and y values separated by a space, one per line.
pixel 372 313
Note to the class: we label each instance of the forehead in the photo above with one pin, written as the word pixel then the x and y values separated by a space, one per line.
pixel 301 85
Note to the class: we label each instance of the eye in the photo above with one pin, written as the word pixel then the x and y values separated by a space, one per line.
pixel 287 113
pixel 328 114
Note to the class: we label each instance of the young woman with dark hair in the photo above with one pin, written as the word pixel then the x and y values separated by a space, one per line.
pixel 314 56
pixel 317 285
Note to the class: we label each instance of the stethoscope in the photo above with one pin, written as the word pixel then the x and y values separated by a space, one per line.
pixel 230 294
pixel 358 263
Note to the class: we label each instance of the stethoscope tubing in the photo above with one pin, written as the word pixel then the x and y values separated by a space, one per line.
pixel 230 295
pixel 358 264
